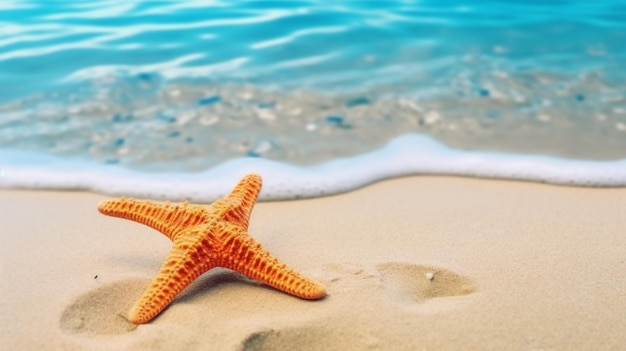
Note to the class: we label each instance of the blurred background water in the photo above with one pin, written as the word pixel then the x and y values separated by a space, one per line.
pixel 186 85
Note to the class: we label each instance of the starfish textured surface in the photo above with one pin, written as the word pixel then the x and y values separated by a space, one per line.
pixel 205 237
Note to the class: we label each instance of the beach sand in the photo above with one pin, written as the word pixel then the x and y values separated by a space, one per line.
pixel 514 266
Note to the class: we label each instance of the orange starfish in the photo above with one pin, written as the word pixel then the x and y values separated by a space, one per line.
pixel 204 238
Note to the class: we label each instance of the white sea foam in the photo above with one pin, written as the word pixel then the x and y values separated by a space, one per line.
pixel 411 154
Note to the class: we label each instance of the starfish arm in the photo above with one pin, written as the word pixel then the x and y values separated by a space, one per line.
pixel 248 257
pixel 182 266
pixel 165 218
pixel 237 206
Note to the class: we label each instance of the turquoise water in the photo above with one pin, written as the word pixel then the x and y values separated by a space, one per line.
pixel 174 86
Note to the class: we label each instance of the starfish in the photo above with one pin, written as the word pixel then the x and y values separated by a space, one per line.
pixel 204 238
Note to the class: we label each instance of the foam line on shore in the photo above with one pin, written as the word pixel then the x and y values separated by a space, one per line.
pixel 409 154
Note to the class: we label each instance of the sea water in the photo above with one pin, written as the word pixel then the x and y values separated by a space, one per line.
pixel 176 99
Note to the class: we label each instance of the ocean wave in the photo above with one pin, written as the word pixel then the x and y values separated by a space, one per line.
pixel 411 154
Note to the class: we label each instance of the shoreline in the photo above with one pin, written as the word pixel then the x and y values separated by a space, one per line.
pixel 409 154
pixel 516 265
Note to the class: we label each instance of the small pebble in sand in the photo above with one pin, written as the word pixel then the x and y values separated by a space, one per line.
pixel 430 276
pixel 432 117
pixel 543 118
pixel 209 100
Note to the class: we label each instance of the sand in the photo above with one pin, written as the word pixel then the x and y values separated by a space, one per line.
pixel 418 263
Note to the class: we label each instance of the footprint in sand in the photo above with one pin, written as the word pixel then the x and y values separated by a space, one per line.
pixel 313 337
pixel 104 310
pixel 410 283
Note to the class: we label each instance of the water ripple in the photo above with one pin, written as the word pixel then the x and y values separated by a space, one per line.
pixel 43 43
pixel 297 34
pixel 456 69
